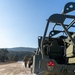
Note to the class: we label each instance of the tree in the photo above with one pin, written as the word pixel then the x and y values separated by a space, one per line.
pixel 3 54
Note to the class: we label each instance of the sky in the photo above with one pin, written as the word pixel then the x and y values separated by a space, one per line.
pixel 22 21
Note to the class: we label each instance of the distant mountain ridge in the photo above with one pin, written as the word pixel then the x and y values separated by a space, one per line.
pixel 22 49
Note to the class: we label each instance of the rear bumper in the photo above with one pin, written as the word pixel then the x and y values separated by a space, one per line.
pixel 52 73
pixel 58 69
pixel 40 67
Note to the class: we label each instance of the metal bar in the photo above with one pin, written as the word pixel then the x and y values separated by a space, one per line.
pixel 43 39
pixel 68 33
pixel 71 24
pixel 64 25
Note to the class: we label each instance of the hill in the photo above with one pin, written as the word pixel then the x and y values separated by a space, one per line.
pixel 15 54
pixel 28 49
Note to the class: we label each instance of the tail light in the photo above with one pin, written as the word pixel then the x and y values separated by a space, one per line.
pixel 50 63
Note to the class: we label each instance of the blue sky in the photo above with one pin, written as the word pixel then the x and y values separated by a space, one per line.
pixel 22 21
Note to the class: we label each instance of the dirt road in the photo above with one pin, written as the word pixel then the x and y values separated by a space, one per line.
pixel 14 69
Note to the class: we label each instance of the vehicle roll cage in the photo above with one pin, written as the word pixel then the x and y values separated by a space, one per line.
pixel 58 20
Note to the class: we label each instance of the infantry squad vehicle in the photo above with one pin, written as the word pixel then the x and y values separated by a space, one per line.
pixel 55 54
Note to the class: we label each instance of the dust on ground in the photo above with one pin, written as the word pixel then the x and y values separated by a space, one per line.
pixel 16 68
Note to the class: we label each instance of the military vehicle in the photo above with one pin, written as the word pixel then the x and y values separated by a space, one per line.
pixel 55 54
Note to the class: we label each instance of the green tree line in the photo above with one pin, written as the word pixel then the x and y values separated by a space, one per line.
pixel 6 55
